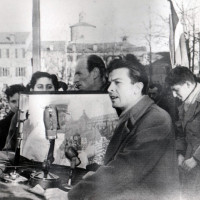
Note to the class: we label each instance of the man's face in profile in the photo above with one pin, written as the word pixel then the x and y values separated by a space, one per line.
pixel 83 79
pixel 181 91
pixel 14 102
pixel 121 89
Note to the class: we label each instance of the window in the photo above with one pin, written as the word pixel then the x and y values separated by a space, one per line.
pixel 4 71
pixel 70 58
pixel 20 71
pixel 7 53
pixel 16 53
pixel 23 53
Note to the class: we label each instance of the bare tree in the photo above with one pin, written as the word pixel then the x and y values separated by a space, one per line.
pixel 154 34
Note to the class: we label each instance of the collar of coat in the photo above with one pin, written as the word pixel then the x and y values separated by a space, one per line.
pixel 194 108
pixel 137 111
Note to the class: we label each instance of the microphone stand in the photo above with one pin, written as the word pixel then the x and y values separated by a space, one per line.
pixel 50 158
pixel 72 154
pixel 68 186
pixel 44 177
pixel 14 176
pixel 20 125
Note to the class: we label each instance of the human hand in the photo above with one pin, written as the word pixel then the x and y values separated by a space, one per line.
pixel 189 164
pixel 181 159
pixel 88 175
pixel 55 194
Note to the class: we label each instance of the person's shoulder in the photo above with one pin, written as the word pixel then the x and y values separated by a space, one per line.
pixel 155 117
pixel 156 123
pixel 159 114
pixel 7 118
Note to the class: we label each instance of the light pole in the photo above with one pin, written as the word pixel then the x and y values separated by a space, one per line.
pixel 199 50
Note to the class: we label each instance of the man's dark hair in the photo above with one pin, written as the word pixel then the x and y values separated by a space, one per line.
pixel 179 75
pixel 13 89
pixel 156 85
pixel 38 75
pixel 63 85
pixel 132 58
pixel 137 72
pixel 95 61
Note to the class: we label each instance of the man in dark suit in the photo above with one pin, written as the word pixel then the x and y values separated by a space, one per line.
pixel 185 87
pixel 12 94
pixel 140 162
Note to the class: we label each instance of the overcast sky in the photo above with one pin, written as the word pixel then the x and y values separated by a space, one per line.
pixel 112 18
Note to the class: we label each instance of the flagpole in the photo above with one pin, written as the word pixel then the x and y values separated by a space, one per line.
pixel 36 36
pixel 199 50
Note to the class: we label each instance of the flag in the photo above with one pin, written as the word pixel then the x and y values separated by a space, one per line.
pixel 177 42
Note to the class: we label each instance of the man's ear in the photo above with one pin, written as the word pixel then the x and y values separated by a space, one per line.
pixel 95 72
pixel 31 89
pixel 138 87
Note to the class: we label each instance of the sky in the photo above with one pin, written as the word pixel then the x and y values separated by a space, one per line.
pixel 112 18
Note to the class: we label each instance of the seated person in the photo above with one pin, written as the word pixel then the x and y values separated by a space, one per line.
pixel 12 94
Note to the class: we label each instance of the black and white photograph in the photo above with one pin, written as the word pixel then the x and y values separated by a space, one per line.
pixel 99 99
pixel 87 127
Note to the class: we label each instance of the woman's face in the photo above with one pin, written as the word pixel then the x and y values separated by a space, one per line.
pixel 44 84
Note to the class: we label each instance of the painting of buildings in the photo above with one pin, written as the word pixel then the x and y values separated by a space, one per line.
pixel 87 127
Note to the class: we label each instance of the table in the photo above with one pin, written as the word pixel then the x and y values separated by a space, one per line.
pixel 16 191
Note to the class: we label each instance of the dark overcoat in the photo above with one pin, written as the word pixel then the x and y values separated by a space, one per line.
pixel 140 162
pixel 4 129
pixel 188 144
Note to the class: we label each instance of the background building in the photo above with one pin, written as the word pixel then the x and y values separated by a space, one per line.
pixel 83 42
pixel 15 63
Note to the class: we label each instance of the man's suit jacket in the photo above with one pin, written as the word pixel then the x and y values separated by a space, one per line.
pixel 140 162
pixel 188 130
pixel 4 129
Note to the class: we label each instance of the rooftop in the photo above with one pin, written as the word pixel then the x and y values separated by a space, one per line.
pixel 104 47
pixel 13 37
pixel 82 24
pixel 53 45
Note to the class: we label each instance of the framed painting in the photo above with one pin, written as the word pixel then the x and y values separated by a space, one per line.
pixel 85 121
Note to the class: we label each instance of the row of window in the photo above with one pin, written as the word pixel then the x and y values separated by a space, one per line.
pixel 19 53
pixel 19 71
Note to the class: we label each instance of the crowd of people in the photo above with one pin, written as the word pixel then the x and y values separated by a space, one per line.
pixel 154 152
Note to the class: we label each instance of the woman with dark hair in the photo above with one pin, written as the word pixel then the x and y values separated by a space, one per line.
pixel 40 81
pixel 43 81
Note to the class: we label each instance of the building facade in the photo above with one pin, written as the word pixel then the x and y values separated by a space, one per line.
pixel 15 63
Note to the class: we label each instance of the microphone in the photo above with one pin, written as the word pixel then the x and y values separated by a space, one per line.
pixel 72 154
pixel 50 122
pixel 45 178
